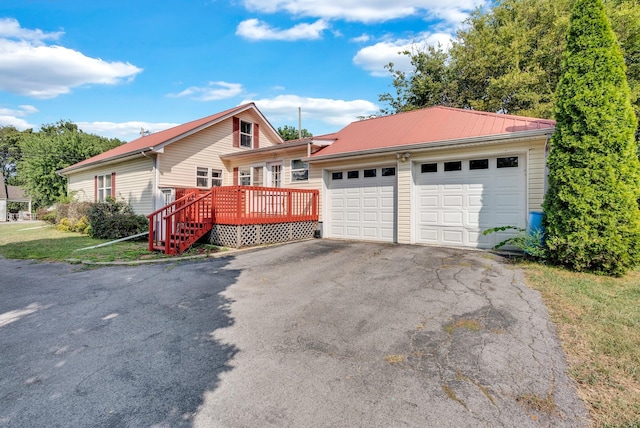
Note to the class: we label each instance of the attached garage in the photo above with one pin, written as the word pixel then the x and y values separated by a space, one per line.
pixel 361 204
pixel 456 199
pixel 456 173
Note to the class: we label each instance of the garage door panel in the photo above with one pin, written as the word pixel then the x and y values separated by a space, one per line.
pixel 452 218
pixel 429 217
pixel 454 237
pixel 388 203
pixel 370 216
pixel 367 204
pixel 454 207
pixel 353 216
pixel 353 232
pixel 353 202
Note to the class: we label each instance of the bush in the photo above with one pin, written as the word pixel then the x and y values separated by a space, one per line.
pixel 591 211
pixel 114 220
pixel 48 216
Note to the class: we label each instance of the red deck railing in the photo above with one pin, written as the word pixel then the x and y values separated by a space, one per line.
pixel 177 226
pixel 244 205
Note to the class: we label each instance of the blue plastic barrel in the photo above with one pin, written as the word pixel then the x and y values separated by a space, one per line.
pixel 535 222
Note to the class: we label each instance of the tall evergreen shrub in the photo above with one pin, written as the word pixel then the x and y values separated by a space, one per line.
pixel 591 211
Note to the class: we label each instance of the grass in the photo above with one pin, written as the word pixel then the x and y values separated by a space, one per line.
pixel 39 241
pixel 598 322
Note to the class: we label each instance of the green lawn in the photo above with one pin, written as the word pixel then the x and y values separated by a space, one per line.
pixel 39 241
pixel 598 322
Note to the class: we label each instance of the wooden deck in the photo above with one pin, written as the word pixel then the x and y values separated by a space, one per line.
pixel 177 226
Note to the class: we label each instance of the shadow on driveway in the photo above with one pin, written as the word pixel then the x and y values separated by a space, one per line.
pixel 115 346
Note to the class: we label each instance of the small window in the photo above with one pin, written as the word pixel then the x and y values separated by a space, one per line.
pixel 368 173
pixel 510 162
pixel 244 177
pixel 104 187
pixel 246 134
pixel 216 177
pixel 429 167
pixel 388 172
pixel 479 164
pixel 202 177
pixel 299 170
pixel 353 174
pixel 208 177
pixel 258 176
pixel 336 175
pixel 453 166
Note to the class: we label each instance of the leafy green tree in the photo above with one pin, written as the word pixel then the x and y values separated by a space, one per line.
pixel 291 133
pixel 507 59
pixel 56 146
pixel 591 213
pixel 431 82
pixel 10 152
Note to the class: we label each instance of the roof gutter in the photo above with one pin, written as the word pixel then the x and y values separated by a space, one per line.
pixel 142 152
pixel 499 138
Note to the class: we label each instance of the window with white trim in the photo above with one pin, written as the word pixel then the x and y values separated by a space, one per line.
pixel 299 170
pixel 208 177
pixel 244 176
pixel 104 187
pixel 246 134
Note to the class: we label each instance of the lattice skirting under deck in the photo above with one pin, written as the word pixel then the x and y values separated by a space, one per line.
pixel 258 234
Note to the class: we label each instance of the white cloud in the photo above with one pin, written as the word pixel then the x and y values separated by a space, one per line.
pixel 123 130
pixel 373 58
pixel 361 39
pixel 368 11
pixel 30 67
pixel 253 29
pixel 15 117
pixel 330 111
pixel 10 28
pixel 213 91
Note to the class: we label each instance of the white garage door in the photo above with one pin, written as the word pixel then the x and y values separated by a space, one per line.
pixel 361 204
pixel 457 199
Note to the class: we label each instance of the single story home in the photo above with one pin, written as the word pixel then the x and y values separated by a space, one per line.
pixel 432 176
pixel 13 194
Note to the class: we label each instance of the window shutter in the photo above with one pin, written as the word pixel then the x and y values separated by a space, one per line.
pixel 95 188
pixel 113 185
pixel 256 136
pixel 235 176
pixel 236 132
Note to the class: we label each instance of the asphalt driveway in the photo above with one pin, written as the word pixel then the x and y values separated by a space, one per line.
pixel 316 333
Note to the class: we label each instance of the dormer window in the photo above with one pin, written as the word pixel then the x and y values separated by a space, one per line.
pixel 246 134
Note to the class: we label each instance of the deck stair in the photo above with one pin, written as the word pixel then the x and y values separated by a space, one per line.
pixel 177 226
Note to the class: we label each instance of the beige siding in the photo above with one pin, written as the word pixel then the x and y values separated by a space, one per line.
pixel 531 149
pixel 178 163
pixel 405 188
pixel 284 156
pixel 134 183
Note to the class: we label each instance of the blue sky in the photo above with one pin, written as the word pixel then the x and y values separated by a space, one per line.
pixel 115 66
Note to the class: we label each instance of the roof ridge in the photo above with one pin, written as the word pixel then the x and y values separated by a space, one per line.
pixel 488 113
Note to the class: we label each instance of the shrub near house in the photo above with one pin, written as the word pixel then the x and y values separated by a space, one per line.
pixel 115 219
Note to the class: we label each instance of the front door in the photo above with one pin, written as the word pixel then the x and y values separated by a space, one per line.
pixel 274 174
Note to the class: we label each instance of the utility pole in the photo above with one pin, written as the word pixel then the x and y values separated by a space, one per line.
pixel 300 123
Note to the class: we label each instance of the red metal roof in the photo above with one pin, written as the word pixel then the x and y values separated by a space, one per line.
pixel 151 141
pixel 430 125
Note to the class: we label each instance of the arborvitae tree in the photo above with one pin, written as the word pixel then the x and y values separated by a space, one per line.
pixel 591 212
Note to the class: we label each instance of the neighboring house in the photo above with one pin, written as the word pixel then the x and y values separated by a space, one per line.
pixel 432 176
pixel 13 194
